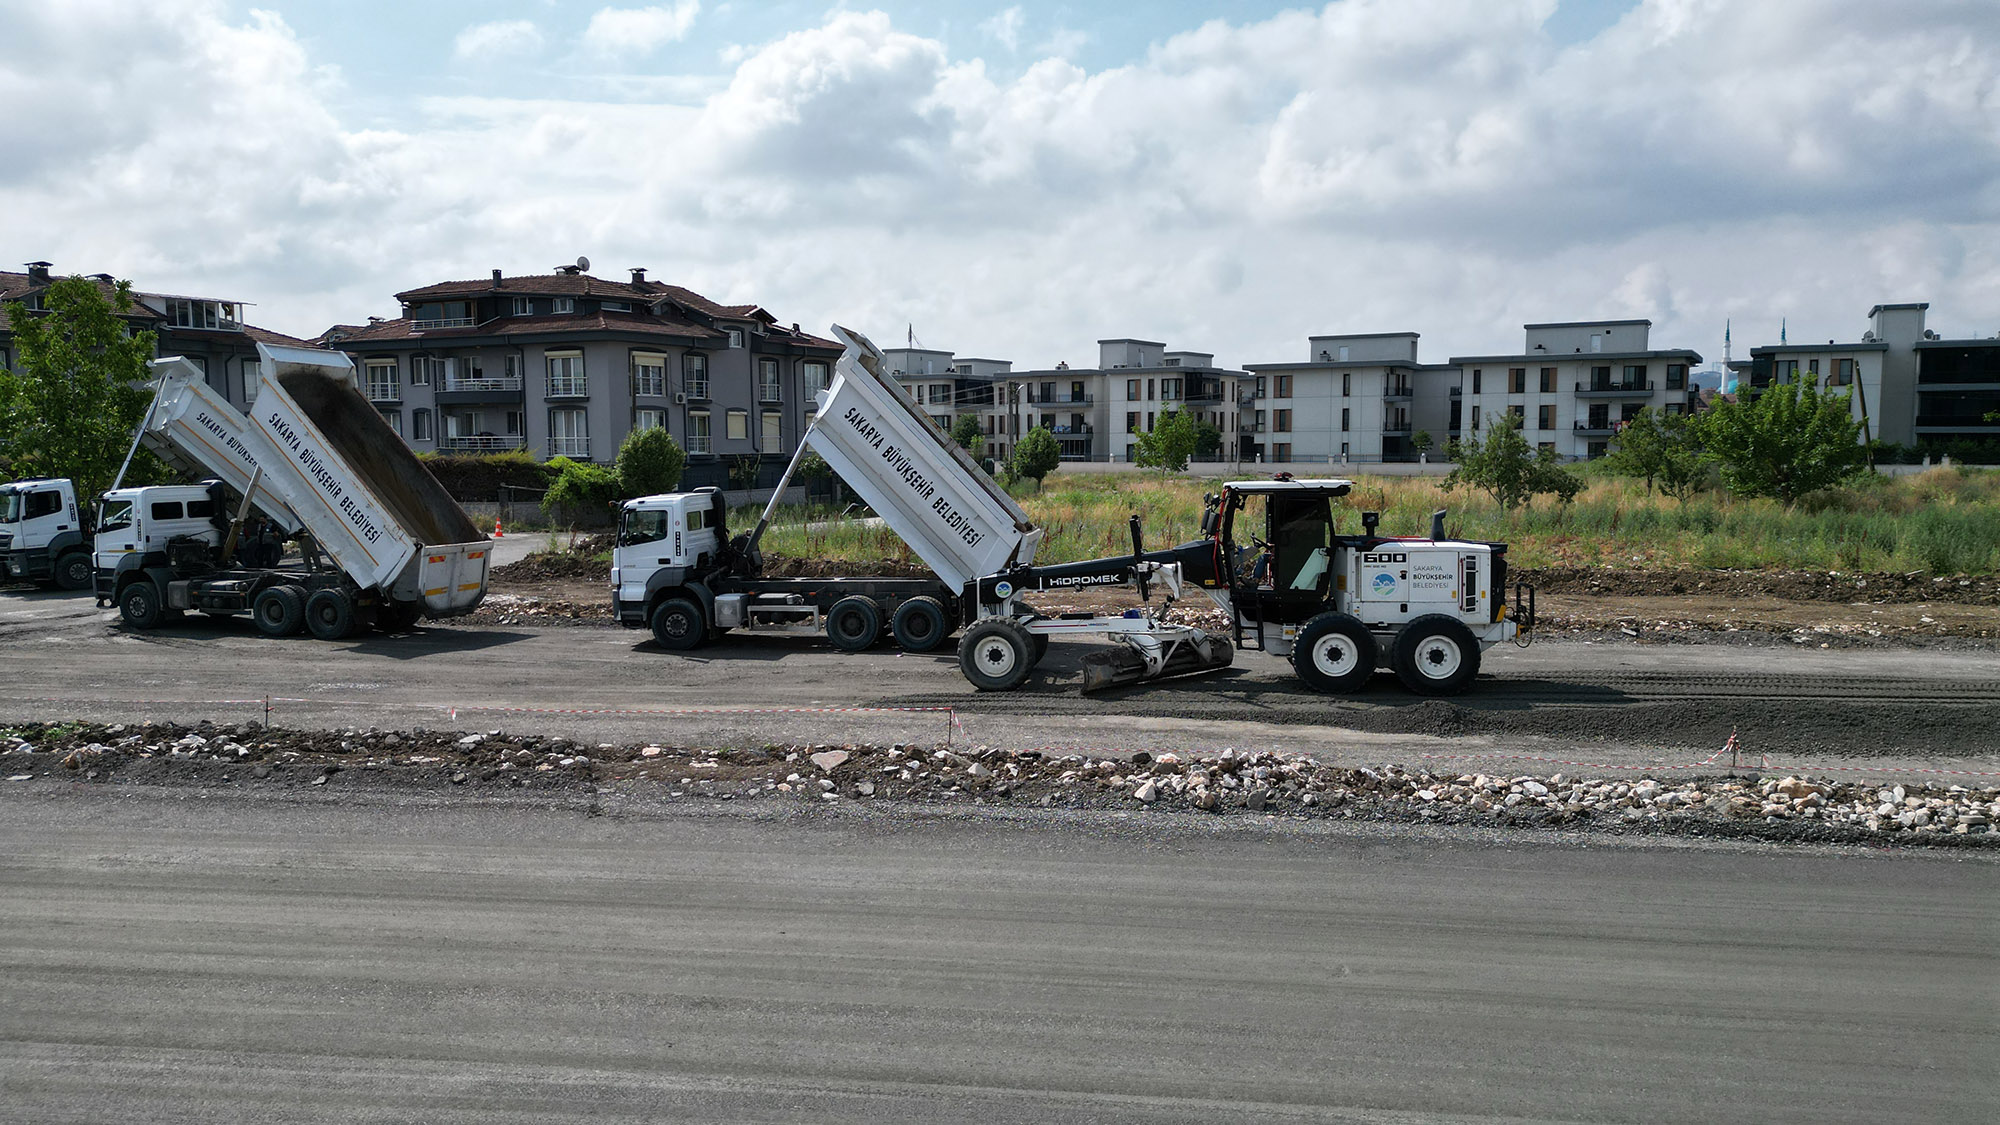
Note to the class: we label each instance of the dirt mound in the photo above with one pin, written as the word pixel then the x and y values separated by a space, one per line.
pixel 555 566
pixel 1788 585
pixel 779 566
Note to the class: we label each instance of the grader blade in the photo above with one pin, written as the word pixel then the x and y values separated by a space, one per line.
pixel 1121 665
pixel 1112 667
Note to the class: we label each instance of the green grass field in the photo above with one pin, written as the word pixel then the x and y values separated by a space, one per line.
pixel 1944 521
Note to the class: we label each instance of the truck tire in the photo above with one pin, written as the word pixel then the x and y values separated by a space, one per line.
pixel 854 623
pixel 396 617
pixel 678 624
pixel 330 615
pixel 1335 652
pixel 280 611
pixel 140 605
pixel 996 655
pixel 75 572
pixel 1436 655
pixel 920 625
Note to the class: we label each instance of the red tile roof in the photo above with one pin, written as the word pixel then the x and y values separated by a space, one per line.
pixel 631 323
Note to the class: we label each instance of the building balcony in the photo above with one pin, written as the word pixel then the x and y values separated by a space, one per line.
pixel 574 448
pixel 443 322
pixel 1062 400
pixel 482 443
pixel 1204 398
pixel 1596 389
pixel 1397 394
pixel 568 388
pixel 1596 428
pixel 1457 391
pixel 384 392
pixel 500 383
pixel 697 390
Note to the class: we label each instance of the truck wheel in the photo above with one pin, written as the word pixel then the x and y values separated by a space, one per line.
pixel 74 571
pixel 678 625
pixel 279 611
pixel 994 656
pixel 1335 652
pixel 1436 655
pixel 920 625
pixel 330 615
pixel 139 605
pixel 854 623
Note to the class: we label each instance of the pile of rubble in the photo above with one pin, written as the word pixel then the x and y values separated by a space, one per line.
pixel 1233 781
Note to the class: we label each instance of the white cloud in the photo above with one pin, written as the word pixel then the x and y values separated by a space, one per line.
pixel 499 39
pixel 1431 165
pixel 636 31
pixel 1004 27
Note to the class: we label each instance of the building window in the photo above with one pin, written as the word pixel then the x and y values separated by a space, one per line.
pixel 395 420
pixel 383 386
pixel 1635 375
pixel 614 306
pixel 698 431
pixel 1475 380
pixel 1788 369
pixel 1677 376
pixel 1170 390
pixel 694 375
pixel 738 425
pixel 563 305
pixel 1518 411
pixel 1545 418
pixel 812 373
pixel 1346 419
pixel 523 306
pixel 252 373
pixel 6 360
pixel 1281 421
pixel 943 422
pixel 569 433
pixel 767 381
pixel 1548 380
pixel 1258 424
pixel 1131 390
pixel 1149 390
pixel 938 394
pixel 649 374
pixel 1282 387
pixel 421 367
pixel 735 337
pixel 1346 383
pixel 649 418
pixel 1517 380
pixel 1343 451
pixel 420 425
pixel 1674 408
pixel 773 431
pixel 1149 421
pixel 566 375
pixel 510 366
pixel 218 315
pixel 1812 367
pixel 1843 373
pixel 1131 421
pixel 1258 392
pixel 1281 451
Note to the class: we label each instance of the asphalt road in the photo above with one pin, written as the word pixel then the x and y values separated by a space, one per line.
pixel 171 955
pixel 1621 703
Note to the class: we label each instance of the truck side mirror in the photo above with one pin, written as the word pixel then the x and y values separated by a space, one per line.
pixel 1437 524
pixel 1369 522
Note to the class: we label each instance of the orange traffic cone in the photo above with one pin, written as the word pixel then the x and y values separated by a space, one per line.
pixel 497 533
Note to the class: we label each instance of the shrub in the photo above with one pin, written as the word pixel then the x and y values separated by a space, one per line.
pixel 478 477
pixel 582 492
pixel 649 462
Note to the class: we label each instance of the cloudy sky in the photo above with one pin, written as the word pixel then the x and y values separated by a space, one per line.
pixel 1020 180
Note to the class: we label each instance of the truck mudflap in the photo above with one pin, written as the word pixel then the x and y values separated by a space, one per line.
pixel 451 579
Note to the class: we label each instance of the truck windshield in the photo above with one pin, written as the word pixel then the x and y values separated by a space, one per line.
pixel 642 527
pixel 114 515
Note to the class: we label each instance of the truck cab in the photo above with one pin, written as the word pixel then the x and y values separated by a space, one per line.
pixel 135 526
pixel 43 535
pixel 665 541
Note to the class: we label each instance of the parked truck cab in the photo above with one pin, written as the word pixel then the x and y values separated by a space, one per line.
pixel 44 537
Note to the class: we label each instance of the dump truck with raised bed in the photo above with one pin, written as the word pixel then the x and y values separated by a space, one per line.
pixel 1339 607
pixel 381 542
pixel 44 535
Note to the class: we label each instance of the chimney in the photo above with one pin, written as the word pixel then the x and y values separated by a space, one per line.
pixel 638 275
pixel 38 273
pixel 496 279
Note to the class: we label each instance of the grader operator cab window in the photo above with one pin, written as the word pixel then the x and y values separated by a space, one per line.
pixel 1301 533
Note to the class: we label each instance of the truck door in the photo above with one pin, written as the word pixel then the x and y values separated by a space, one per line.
pixel 644 547
pixel 44 515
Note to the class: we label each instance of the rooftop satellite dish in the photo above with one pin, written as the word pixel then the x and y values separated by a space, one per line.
pixel 582 262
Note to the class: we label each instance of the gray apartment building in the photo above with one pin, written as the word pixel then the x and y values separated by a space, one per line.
pixel 567 364
pixel 1572 384
pixel 1910 386
pixel 1357 397
pixel 210 332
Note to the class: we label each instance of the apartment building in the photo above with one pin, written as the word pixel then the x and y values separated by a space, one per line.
pixel 210 332
pixel 1357 397
pixel 568 364
pixel 1572 384
pixel 1144 380
pixel 1910 386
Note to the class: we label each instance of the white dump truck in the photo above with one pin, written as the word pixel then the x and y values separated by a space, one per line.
pixel 44 536
pixel 381 541
pixel 1339 607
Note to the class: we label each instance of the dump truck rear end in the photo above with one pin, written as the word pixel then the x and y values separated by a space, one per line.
pixel 382 542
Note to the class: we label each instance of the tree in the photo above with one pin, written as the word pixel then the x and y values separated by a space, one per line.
pixel 582 492
pixel 1170 444
pixel 1505 468
pixel 1207 438
pixel 1665 449
pixel 650 461
pixel 966 433
pixel 77 392
pixel 1421 441
pixel 1035 456
pixel 1792 440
